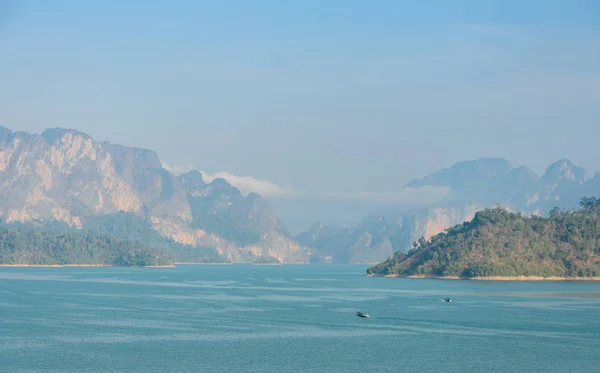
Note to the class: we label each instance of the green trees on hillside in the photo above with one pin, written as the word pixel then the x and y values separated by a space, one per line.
pixel 126 235
pixel 500 243
pixel 128 226
pixel 30 246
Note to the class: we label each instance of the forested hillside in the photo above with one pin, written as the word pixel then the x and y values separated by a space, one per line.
pixel 500 243
pixel 30 246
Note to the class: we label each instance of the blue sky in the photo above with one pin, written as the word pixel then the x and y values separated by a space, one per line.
pixel 330 98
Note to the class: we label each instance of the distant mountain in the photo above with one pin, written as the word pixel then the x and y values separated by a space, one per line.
pixel 474 185
pixel 64 175
pixel 372 239
pixel 500 243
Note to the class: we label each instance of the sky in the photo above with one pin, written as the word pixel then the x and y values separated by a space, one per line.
pixel 311 100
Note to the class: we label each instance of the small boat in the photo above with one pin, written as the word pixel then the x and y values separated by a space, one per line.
pixel 363 315
pixel 447 300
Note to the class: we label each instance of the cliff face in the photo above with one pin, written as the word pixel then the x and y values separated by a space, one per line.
pixel 220 210
pixel 371 241
pixel 475 185
pixel 64 175
pixel 488 182
pixel 377 237
pixel 499 243
pixel 433 220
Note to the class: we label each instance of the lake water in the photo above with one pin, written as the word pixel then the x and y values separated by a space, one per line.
pixel 290 318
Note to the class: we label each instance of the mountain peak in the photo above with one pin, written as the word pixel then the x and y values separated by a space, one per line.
pixel 5 133
pixel 563 169
pixel 463 172
pixel 220 183
pixel 51 135
pixel 222 187
pixel 192 179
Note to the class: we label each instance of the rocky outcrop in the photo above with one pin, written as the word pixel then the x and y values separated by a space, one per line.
pixel 220 210
pixel 488 182
pixel 371 241
pixel 474 185
pixel 430 221
pixel 64 175
pixel 376 237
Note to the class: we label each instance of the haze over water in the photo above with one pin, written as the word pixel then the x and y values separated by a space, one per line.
pixel 244 318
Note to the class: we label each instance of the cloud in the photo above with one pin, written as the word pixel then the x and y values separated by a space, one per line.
pixel 423 195
pixel 177 169
pixel 268 189
pixel 246 184
pixel 249 184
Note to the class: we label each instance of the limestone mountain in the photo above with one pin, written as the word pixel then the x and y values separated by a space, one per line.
pixel 500 243
pixel 247 222
pixel 377 237
pixel 65 175
pixel 474 185
pixel 374 238
pixel 494 181
pixel 486 180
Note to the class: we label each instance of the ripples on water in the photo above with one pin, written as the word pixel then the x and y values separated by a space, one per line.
pixel 289 319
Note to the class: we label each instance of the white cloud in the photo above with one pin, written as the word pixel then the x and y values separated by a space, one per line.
pixel 249 184
pixel 246 184
pixel 177 169
pixel 268 189
pixel 423 195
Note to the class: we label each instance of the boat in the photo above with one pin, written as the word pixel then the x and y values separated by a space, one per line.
pixel 363 315
pixel 447 300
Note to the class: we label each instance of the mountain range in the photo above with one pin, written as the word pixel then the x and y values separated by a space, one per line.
pixel 63 177
pixel 474 185
pixel 497 244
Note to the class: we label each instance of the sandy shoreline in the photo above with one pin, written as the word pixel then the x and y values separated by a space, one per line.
pixel 493 278
pixel 77 265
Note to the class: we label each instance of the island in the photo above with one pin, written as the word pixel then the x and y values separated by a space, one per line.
pixel 501 245
pixel 32 247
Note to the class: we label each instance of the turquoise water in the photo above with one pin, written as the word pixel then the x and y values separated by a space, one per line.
pixel 289 318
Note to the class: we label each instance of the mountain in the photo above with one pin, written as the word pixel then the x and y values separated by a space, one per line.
pixel 248 223
pixel 482 180
pixel 500 243
pixel 491 181
pixel 64 175
pixel 368 242
pixel 474 185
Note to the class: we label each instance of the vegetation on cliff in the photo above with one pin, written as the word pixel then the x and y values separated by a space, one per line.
pixel 63 175
pixel 22 245
pixel 500 243
pixel 128 226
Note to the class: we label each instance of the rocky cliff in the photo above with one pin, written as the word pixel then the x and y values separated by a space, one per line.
pixel 64 175
pixel 374 238
pixel 475 185
pixel 491 181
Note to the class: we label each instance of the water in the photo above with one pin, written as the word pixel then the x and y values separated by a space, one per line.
pixel 290 318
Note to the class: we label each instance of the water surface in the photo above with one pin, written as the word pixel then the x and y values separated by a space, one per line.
pixel 289 318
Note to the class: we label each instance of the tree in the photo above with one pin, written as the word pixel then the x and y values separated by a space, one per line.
pixel 589 202
pixel 497 242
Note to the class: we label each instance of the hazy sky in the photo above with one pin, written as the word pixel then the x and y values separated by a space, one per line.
pixel 331 98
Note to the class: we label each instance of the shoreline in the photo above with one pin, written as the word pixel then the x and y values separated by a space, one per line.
pixel 79 265
pixel 490 278
pixel 200 263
